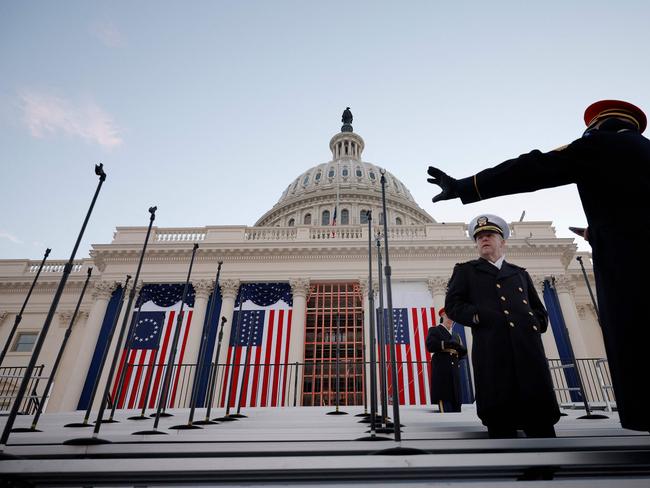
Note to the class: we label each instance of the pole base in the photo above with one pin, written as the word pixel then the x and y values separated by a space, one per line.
pixel 162 414
pixel 139 417
pixel 206 422
pixel 185 427
pixel 373 438
pixel 368 419
pixel 149 432
pixel 108 421
pixel 399 451
pixel 336 412
pixel 593 416
pixel 25 429
pixel 362 415
pixel 239 416
pixel 86 441
pixel 78 424
pixel 227 418
pixel 384 430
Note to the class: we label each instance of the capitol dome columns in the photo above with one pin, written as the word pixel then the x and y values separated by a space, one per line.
pixel 202 290
pixel 101 295
pixel 229 290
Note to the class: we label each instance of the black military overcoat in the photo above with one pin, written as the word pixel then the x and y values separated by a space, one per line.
pixel 445 365
pixel 612 172
pixel 512 380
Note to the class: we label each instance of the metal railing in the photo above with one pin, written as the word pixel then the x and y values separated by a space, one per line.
pixel 10 378
pixel 594 375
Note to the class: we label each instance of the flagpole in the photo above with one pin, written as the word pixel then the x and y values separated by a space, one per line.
pixel 104 398
pixel 102 361
pixel 591 293
pixel 162 400
pixel 239 415
pixel 202 354
pixel 67 269
pixel 213 378
pixel 55 366
pixel 373 345
pixel 383 386
pixel 227 417
pixel 19 317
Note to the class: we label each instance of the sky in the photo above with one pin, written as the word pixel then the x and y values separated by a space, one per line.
pixel 209 109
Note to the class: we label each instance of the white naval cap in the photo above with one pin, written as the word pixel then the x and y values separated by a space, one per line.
pixel 488 222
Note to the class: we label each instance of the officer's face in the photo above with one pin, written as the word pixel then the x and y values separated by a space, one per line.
pixel 490 245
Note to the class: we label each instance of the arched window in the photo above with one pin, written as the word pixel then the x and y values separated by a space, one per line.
pixel 398 221
pixel 317 177
pixel 381 218
pixel 326 218
pixel 372 175
pixel 306 180
pixel 363 217
pixel 345 217
pixel 307 219
pixel 358 172
pixel 345 171
pixel 292 222
pixel 331 173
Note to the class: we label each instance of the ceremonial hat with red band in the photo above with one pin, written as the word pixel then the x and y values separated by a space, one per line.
pixel 615 108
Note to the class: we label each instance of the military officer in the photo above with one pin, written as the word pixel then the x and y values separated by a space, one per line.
pixel 610 164
pixel 498 301
pixel 446 350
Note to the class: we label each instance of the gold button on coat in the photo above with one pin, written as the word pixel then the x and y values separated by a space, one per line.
pixel 535 327
pixel 498 285
pixel 521 289
pixel 507 312
pixel 503 298
pixel 525 302
pixel 511 324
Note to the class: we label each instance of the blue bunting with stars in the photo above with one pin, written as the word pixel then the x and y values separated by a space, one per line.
pixel 264 294
pixel 166 294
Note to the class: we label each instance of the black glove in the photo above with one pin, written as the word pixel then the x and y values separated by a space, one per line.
pixel 444 181
pixel 453 345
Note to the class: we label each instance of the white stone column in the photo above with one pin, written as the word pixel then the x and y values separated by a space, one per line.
pixel 438 287
pixel 76 376
pixel 229 289
pixel 565 289
pixel 299 290
pixel 202 290
pixel 548 337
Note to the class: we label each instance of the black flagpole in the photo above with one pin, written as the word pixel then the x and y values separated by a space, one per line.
pixel 104 398
pixel 338 337
pixel 162 400
pixel 19 317
pixel 228 417
pixel 399 450
pixel 125 352
pixel 373 345
pixel 102 362
pixel 199 363
pixel 213 378
pixel 55 367
pixel 591 293
pixel 387 427
pixel 67 269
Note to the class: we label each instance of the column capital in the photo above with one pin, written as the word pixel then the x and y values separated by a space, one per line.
pixel 103 289
pixel 564 284
pixel 3 314
pixel 363 287
pixel 538 282
pixel 66 315
pixel 299 286
pixel 203 288
pixel 229 288
pixel 437 285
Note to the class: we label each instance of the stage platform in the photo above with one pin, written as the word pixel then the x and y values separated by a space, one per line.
pixel 307 447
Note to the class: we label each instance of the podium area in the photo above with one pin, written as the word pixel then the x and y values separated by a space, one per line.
pixel 305 446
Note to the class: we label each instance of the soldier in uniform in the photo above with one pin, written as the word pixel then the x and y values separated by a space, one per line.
pixel 498 301
pixel 446 350
pixel 610 164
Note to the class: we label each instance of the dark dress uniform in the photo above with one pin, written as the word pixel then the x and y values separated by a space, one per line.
pixel 446 351
pixel 513 384
pixel 611 167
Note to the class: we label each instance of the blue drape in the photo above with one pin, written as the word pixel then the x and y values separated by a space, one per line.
pixel 211 324
pixel 93 370
pixel 562 339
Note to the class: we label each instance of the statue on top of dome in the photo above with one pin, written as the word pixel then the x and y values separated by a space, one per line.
pixel 347 120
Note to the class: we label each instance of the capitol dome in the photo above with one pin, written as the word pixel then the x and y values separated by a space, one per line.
pixel 310 199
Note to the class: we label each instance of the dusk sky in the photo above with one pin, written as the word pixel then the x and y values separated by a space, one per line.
pixel 209 109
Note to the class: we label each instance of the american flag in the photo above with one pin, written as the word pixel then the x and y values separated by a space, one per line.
pixel 151 345
pixel 264 326
pixel 412 359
